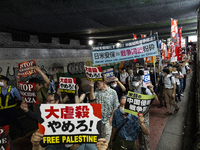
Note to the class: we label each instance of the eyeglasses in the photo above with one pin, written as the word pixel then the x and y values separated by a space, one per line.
pixel 50 100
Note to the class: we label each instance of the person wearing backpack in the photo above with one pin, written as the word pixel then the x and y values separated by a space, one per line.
pixel 177 75
pixel 169 91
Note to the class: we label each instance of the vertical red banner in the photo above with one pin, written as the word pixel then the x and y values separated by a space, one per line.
pixel 179 58
pixel 169 53
pixel 134 37
pixel 174 40
pixel 143 35
pixel 163 51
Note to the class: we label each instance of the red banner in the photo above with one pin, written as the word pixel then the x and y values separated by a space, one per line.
pixel 143 35
pixel 163 51
pixel 134 37
pixel 174 40
pixel 179 50
pixel 169 53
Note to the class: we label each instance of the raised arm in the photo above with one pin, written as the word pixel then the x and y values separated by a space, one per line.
pixel 46 79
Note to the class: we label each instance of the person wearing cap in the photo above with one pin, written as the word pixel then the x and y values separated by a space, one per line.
pixel 9 98
pixel 177 75
pixel 170 91
pixel 108 99
pixel 144 140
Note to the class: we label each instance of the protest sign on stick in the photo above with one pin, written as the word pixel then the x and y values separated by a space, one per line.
pixel 93 73
pixel 4 138
pixel 70 123
pixel 137 103
pixel 28 92
pixel 146 78
pixel 27 68
pixel 109 74
pixel 67 85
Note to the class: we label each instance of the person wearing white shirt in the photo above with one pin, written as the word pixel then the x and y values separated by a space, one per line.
pixel 177 75
pixel 123 76
pixel 169 91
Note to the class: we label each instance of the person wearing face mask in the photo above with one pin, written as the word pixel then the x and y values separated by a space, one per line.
pixel 9 98
pixel 144 140
pixel 125 129
pixel 123 76
pixel 118 87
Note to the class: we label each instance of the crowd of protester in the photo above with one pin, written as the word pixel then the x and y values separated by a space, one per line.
pixel 119 130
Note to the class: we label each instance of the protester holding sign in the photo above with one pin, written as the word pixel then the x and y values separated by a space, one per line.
pixel 42 89
pixel 9 97
pixel 138 88
pixel 108 99
pixel 126 128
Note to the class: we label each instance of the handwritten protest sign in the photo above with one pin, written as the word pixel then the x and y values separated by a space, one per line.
pixel 70 123
pixel 28 92
pixel 26 68
pixel 93 73
pixel 4 138
pixel 109 74
pixel 137 103
pixel 146 78
pixel 67 85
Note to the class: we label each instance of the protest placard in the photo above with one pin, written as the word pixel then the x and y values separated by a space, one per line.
pixel 146 78
pixel 4 138
pixel 137 103
pixel 70 123
pixel 67 85
pixel 26 68
pixel 93 73
pixel 109 74
pixel 28 92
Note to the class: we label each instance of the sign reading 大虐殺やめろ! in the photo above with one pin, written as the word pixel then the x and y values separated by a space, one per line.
pixel 70 123
pixel 93 73
pixel 67 85
pixel 137 103
pixel 27 68
pixel 128 50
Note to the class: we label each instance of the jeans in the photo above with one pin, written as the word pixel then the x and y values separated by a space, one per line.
pixel 181 85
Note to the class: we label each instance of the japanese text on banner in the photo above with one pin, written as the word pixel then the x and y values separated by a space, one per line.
pixel 67 84
pixel 72 123
pixel 137 103
pixel 93 73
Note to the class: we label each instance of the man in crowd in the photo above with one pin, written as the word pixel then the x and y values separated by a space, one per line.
pixel 170 91
pixel 118 88
pixel 9 97
pixel 154 77
pixel 138 88
pixel 177 75
pixel 125 129
pixel 108 99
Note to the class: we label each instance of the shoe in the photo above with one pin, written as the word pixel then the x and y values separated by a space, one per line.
pixel 168 114
pixel 160 106
pixel 182 95
pixel 176 110
pixel 180 99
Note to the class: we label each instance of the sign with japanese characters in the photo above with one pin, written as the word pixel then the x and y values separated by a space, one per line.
pixel 4 138
pixel 137 103
pixel 26 68
pixel 146 78
pixel 93 73
pixel 109 74
pixel 128 50
pixel 70 123
pixel 67 85
pixel 28 92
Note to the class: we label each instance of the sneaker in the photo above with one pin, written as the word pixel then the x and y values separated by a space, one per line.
pixel 182 95
pixel 176 110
